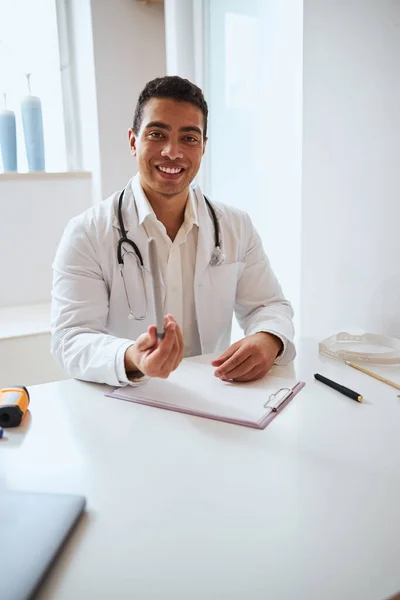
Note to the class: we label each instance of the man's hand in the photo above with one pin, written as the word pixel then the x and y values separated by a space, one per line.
pixel 153 357
pixel 248 359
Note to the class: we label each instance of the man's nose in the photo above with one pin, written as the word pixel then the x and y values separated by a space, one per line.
pixel 171 150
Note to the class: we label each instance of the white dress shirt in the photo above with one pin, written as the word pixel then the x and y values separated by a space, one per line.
pixel 177 260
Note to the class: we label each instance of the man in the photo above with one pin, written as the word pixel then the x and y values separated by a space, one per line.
pixel 92 337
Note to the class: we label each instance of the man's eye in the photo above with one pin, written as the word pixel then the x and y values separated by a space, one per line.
pixel 156 134
pixel 190 138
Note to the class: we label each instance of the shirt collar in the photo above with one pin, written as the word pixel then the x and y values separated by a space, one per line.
pixel 143 206
pixel 145 210
pixel 191 209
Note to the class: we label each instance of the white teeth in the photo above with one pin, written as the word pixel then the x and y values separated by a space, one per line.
pixel 170 170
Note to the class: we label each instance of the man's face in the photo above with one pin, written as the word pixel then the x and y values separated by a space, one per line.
pixel 169 146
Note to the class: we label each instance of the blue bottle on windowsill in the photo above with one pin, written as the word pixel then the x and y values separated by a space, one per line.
pixel 8 139
pixel 32 120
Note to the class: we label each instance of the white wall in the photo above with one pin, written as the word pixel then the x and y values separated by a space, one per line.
pixel 351 168
pixel 129 50
pixel 27 360
pixel 34 210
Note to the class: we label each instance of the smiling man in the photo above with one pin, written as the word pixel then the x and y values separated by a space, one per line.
pixel 211 263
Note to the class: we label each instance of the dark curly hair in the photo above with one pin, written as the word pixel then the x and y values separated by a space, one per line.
pixel 175 88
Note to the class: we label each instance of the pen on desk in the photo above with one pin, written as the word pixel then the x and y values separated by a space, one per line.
pixel 339 388
pixel 157 293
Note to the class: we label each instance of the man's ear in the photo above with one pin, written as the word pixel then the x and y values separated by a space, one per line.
pixel 132 141
pixel 205 144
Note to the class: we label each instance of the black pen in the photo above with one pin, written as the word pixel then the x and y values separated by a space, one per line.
pixel 339 388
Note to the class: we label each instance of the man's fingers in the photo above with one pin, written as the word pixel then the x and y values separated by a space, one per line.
pixel 176 353
pixel 169 319
pixel 181 343
pixel 167 341
pixel 171 348
pixel 225 355
pixel 253 375
pixel 233 362
pixel 156 357
pixel 241 370
pixel 171 360
pixel 147 340
pixel 152 333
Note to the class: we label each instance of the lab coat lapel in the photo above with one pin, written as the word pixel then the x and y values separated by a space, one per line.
pixel 129 210
pixel 202 285
pixel 137 234
pixel 134 230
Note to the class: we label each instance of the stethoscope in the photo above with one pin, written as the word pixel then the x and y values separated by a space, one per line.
pixel 217 256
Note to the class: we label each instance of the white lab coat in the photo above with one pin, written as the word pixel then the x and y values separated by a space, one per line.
pixel 90 325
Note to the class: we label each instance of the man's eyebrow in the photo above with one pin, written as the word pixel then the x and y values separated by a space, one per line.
pixel 159 125
pixel 191 128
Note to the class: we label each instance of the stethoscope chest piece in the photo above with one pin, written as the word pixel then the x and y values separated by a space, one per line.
pixel 217 257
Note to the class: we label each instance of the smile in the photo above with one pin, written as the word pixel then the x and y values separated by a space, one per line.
pixel 170 170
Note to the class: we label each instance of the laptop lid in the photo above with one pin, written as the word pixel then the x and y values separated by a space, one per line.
pixel 33 528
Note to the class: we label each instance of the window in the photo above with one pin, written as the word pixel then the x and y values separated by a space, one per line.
pixel 253 83
pixel 29 44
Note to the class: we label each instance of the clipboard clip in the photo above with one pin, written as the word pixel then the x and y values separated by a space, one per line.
pixel 281 400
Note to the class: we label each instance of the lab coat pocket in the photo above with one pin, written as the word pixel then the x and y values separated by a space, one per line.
pixel 223 283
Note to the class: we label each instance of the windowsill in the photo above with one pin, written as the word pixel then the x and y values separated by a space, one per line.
pixel 44 175
pixel 28 319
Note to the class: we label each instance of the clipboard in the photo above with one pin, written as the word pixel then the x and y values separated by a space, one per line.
pixel 194 390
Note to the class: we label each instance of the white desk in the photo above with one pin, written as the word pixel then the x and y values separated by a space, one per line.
pixel 182 508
